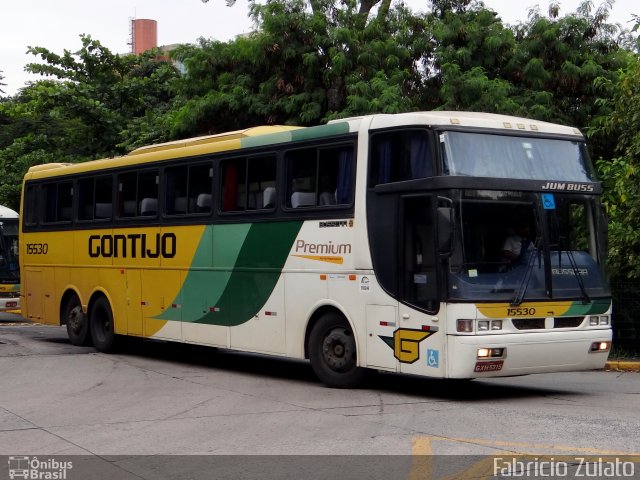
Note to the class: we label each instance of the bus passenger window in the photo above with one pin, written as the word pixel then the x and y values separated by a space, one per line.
pixel 320 177
pixel 104 197
pixel 302 172
pixel 31 206
pixel 58 202
pixel 176 190
pixel 246 182
pixel 127 194
pixel 138 194
pixel 400 155
pixel 200 189
pixel 261 177
pixel 186 189
pixel 233 184
pixel 86 199
pixel 94 198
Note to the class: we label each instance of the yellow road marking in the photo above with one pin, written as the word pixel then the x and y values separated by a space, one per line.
pixel 422 462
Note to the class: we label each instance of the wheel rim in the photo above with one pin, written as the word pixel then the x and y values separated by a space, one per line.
pixel 75 319
pixel 338 350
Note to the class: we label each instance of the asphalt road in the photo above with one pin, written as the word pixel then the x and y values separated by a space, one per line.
pixel 156 398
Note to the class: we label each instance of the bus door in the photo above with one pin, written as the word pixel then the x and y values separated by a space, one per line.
pixel 418 346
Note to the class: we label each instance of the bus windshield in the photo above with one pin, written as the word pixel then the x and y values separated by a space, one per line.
pixel 520 246
pixel 9 269
pixel 502 156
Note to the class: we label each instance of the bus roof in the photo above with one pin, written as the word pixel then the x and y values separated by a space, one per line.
pixel 209 139
pixel 269 135
pixel 468 119
pixel 7 213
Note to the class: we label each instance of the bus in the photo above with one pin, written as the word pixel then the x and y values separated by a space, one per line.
pixel 368 243
pixel 9 264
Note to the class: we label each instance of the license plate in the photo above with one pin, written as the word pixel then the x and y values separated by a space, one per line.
pixel 494 366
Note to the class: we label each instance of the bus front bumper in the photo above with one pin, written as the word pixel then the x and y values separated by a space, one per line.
pixel 9 303
pixel 526 353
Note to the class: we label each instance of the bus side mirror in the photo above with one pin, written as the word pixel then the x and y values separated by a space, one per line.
pixel 445 227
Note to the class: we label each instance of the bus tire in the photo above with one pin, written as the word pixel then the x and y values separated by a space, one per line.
pixel 332 352
pixel 77 323
pixel 101 325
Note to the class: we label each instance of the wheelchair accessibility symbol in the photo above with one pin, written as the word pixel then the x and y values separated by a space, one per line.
pixel 433 359
pixel 548 201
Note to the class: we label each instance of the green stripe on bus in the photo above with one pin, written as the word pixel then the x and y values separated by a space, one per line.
pixel 204 285
pixel 595 307
pixel 269 139
pixel 247 263
pixel 318 132
pixel 296 135
pixel 259 266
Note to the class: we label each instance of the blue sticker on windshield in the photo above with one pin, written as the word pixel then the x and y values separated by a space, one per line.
pixel 548 202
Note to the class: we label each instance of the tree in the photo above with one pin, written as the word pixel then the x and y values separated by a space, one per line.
pixel 472 49
pixel 544 68
pixel 621 174
pixel 306 63
pixel 102 90
pixel 86 111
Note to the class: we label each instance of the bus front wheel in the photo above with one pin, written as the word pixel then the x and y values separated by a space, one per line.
pixel 332 352
pixel 101 325
pixel 77 323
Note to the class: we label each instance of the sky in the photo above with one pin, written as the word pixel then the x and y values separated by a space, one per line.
pixel 58 24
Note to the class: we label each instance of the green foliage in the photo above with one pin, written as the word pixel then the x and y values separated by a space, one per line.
pixel 97 104
pixel 621 175
pixel 303 66
pixel 473 90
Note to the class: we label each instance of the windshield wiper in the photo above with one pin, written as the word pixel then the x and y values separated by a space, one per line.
pixel 576 272
pixel 524 283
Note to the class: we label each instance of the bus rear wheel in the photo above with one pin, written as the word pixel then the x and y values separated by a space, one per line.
pixel 332 352
pixel 77 323
pixel 101 325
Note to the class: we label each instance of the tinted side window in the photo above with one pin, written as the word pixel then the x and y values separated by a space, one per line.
pixel 138 194
pixel 188 189
pixel 86 194
pixel 400 155
pixel 103 197
pixel 248 184
pixel 320 177
pixel 30 208
pixel 95 198
pixel 58 206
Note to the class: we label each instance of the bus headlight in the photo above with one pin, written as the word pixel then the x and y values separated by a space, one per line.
pixel 491 352
pixel 600 347
pixel 464 325
pixel 483 325
pixel 486 325
pixel 596 320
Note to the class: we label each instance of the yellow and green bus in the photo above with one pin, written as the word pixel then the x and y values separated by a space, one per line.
pixel 9 263
pixel 369 243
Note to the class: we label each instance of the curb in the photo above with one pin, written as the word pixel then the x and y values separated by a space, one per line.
pixel 623 366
